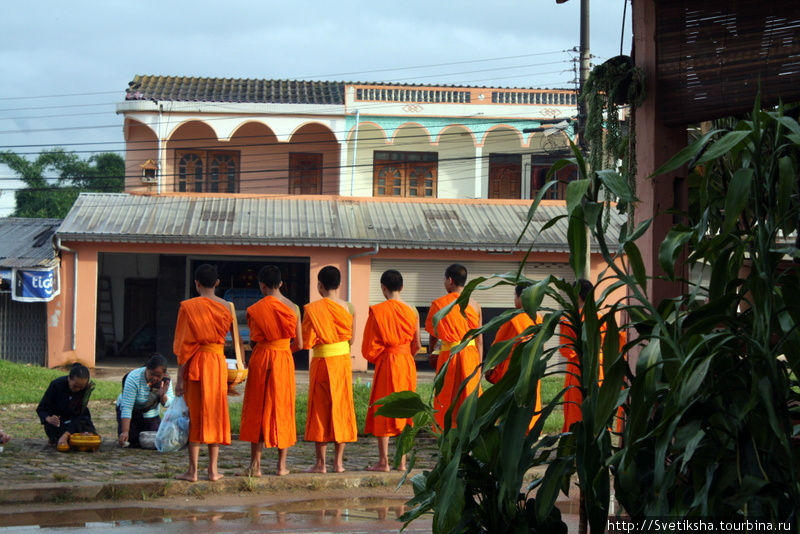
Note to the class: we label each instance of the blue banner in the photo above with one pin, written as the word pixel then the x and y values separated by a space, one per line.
pixel 35 285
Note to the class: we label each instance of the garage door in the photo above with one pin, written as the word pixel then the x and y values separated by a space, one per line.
pixel 23 331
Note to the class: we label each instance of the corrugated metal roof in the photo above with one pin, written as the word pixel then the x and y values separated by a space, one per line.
pixel 27 242
pixel 479 225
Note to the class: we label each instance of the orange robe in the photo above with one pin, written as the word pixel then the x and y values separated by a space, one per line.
pixel 451 329
pixel 573 396
pixel 391 327
pixel 199 342
pixel 518 324
pixel 331 411
pixel 268 407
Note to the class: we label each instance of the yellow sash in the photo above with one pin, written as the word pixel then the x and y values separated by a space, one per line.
pixel 216 348
pixel 276 344
pixel 332 349
pixel 447 345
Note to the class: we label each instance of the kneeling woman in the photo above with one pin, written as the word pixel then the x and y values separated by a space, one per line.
pixel 143 391
pixel 64 409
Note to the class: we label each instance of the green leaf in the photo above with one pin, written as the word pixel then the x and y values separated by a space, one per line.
pixel 531 359
pixel 592 212
pixel 696 377
pixel 402 404
pixel 724 145
pixel 533 295
pixel 787 179
pixel 638 231
pixel 617 184
pixel 576 191
pixel 737 197
pixel 790 124
pixel 450 496
pixel 670 248
pixel 636 263
pixel 559 470
pixel 685 155
pixel 576 237
pixel 534 206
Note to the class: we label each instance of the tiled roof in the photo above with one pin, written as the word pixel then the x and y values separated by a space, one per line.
pixel 27 242
pixel 191 89
pixel 480 225
pixel 241 90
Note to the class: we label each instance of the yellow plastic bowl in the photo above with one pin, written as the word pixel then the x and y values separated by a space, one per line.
pixel 85 442
pixel 62 447
pixel 236 376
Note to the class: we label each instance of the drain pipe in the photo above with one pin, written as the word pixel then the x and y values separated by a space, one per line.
pixel 74 253
pixel 349 267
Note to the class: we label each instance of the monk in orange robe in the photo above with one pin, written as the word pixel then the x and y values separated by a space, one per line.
pixel 573 397
pixel 202 373
pixel 268 417
pixel 510 330
pixel 391 338
pixel 451 329
pixel 328 330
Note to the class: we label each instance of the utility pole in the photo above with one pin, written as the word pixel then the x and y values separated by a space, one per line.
pixel 583 70
pixel 583 76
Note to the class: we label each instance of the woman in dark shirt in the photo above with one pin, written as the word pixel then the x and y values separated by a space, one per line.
pixel 64 407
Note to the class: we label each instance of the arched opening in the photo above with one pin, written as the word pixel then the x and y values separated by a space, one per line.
pixel 362 140
pixel 408 167
pixel 141 145
pixel 313 161
pixel 504 152
pixel 263 167
pixel 546 149
pixel 458 167
pixel 200 162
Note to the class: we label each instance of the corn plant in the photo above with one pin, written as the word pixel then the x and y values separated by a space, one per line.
pixel 709 402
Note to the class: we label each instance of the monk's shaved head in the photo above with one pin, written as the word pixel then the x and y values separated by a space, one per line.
pixel 270 276
pixel 584 288
pixel 520 288
pixel 206 275
pixel 457 273
pixel 392 279
pixel 330 277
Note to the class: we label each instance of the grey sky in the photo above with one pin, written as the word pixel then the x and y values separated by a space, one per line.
pixel 77 48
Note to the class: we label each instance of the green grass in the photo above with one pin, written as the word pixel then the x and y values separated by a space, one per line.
pixel 550 388
pixel 25 383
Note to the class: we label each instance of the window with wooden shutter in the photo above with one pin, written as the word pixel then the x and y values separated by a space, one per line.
pixel 207 171
pixel 305 173
pixel 405 174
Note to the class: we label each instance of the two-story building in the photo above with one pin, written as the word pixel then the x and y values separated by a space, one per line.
pixel 305 174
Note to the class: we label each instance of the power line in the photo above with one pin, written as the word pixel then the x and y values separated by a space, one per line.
pixel 388 69
pixel 422 76
pixel 434 65
pixel 466 161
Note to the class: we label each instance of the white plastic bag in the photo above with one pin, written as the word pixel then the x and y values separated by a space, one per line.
pixel 173 432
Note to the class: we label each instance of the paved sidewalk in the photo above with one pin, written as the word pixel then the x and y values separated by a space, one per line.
pixel 32 471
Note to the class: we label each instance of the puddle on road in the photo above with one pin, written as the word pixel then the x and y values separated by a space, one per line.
pixel 331 515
